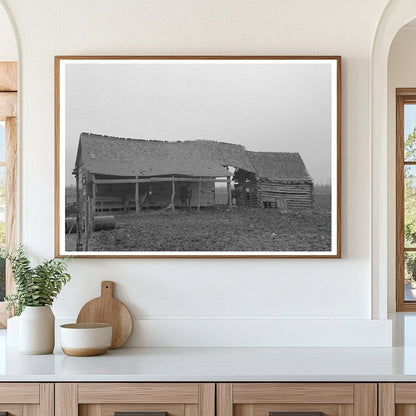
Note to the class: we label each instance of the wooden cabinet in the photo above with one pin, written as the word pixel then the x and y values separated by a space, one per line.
pixel 222 399
pixel 297 399
pixel 27 399
pixel 106 399
pixel 208 399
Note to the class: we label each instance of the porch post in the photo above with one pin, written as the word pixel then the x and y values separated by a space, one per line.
pixel 87 222
pixel 199 193
pixel 78 204
pixel 172 201
pixel 94 196
pixel 230 201
pixel 136 196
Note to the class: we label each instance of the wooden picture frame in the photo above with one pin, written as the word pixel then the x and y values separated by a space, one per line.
pixel 405 301
pixel 198 156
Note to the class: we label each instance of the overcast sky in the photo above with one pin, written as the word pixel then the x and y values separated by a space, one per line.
pixel 274 107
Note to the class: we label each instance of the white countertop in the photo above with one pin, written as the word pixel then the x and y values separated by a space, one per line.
pixel 215 364
pixel 221 364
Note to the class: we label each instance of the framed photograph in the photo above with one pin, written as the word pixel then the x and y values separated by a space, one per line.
pixel 198 156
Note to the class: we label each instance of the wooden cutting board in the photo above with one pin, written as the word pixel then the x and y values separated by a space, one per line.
pixel 108 310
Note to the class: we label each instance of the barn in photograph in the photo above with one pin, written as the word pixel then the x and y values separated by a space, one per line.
pixel 117 174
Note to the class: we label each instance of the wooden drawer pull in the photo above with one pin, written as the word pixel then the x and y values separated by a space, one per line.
pixel 140 414
pixel 295 413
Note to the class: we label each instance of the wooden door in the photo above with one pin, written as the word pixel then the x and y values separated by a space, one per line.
pixel 297 399
pixel 143 399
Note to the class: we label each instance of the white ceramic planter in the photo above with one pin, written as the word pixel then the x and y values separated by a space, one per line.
pixel 12 334
pixel 37 330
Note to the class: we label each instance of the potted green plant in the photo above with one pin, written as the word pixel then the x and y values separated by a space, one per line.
pixel 36 289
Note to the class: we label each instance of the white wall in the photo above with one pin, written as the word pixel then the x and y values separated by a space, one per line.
pixel 277 301
pixel 8 47
pixel 401 74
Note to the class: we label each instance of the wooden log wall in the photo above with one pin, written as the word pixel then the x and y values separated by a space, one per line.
pixel 293 196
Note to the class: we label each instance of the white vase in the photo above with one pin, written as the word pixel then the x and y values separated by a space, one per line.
pixel 37 330
pixel 12 333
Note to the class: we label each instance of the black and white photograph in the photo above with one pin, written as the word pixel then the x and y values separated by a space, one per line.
pixel 198 156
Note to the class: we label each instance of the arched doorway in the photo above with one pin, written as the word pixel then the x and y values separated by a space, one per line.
pixel 396 15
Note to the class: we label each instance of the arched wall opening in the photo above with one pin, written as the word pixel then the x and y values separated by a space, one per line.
pixel 396 15
pixel 401 73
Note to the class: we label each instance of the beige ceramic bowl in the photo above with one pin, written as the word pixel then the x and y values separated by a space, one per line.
pixel 83 340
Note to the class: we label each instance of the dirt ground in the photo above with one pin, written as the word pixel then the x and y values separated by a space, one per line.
pixel 217 229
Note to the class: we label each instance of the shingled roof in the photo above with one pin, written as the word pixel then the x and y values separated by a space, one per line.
pixel 136 157
pixel 280 166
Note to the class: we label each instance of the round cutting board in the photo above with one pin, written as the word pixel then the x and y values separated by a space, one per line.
pixel 107 309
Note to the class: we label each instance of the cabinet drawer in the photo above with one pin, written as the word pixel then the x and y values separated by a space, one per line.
pixel 19 393
pixel 146 399
pixel 296 399
pixel 138 393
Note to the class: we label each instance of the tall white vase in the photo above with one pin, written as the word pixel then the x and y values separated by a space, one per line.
pixel 12 334
pixel 37 330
